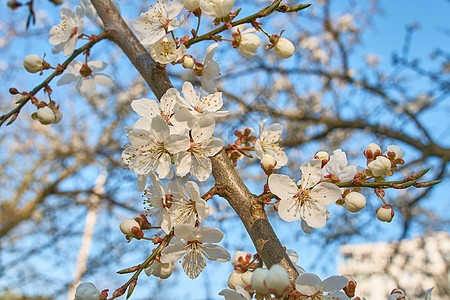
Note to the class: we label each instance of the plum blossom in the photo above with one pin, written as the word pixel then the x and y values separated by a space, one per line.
pixel 166 108
pixel 216 8
pixel 337 167
pixel 33 63
pixel 196 244
pixel 165 51
pixel 203 145
pixel 354 202
pixel 209 70
pixel 160 270
pixel 186 209
pixel 207 106
pixel 158 203
pixel 284 48
pixel 385 213
pixel 86 77
pixel 150 149
pixel 159 20
pixel 312 286
pixel 267 143
pixel 64 36
pixel 307 202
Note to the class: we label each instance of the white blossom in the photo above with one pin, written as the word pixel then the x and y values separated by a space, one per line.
pixel 86 291
pixel 150 149
pixel 159 20
pixel 186 209
pixel 158 204
pixel 307 202
pixel 196 160
pixel 160 270
pixel 311 285
pixel 65 35
pixel 196 245
pixel 86 77
pixel 207 106
pixel 216 8
pixel 165 51
pixel 267 143
pixel 337 165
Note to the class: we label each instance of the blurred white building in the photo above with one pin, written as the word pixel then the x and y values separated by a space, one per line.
pixel 413 265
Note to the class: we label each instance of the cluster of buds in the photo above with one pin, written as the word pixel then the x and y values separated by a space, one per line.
pixel 245 138
pixel 47 114
pixel 379 165
pixel 273 281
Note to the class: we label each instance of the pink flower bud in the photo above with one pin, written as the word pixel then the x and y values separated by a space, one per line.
pixel 381 166
pixel 398 153
pixel 354 202
pixel 284 48
pixel 385 213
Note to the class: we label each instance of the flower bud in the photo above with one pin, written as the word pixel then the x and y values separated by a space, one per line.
pixel 398 153
pixel 268 163
pixel 284 48
pixel 397 294
pixel 86 291
pixel 160 270
pixel 58 117
pixel 45 115
pixel 127 227
pixel 13 4
pixel 247 278
pixel 249 43
pixel 380 166
pixel 188 62
pixel 258 281
pixel 323 156
pixel 354 202
pixel 385 213
pixel 277 281
pixel 235 279
pixel 33 63
pixel 236 261
pixel 372 151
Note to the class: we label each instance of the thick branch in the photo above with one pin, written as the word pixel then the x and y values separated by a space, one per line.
pixel 119 33
pixel 230 184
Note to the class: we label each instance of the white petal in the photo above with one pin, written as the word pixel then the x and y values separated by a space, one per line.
pixel 282 186
pixel 172 253
pixel 145 107
pixel 186 232
pixel 67 78
pixel 177 143
pixel 86 87
pixel 216 253
pixel 201 168
pixel 308 283
pixel 163 168
pixel 182 163
pixel 325 193
pixel 193 264
pixel 210 235
pixel 103 80
pixel 160 128
pixel 334 283
pixel 289 210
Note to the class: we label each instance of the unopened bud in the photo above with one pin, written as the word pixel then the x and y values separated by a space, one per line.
pixel 33 63
pixel 323 156
pixel 381 166
pixel 235 279
pixel 188 62
pixel 58 117
pixel 354 202
pixel 128 228
pixel 45 115
pixel 268 163
pixel 385 213
pixel 86 291
pixel 13 4
pixel 277 281
pixel 258 281
pixel 13 91
pixel 372 151
pixel 395 152
pixel 284 48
